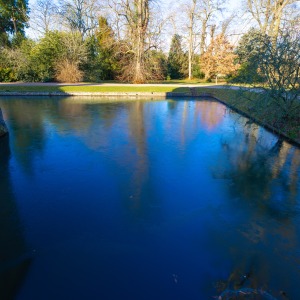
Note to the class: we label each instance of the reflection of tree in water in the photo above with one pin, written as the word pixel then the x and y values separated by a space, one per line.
pixel 256 170
pixel 27 128
pixel 249 170
pixel 211 114
pixel 14 262
pixel 139 182
pixel 89 121
pixel 263 182
pixel 288 158
pixel 173 106
pixel 95 125
pixel 29 120
pixel 79 115
pixel 196 116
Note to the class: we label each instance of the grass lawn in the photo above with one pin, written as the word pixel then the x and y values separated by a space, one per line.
pixel 93 89
pixel 187 81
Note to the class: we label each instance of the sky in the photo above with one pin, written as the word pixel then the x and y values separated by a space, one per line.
pixel 167 6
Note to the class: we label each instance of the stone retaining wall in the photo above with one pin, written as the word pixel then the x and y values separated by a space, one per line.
pixel 110 94
pixel 97 94
pixel 3 128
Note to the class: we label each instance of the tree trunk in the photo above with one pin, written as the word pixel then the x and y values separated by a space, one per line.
pixel 191 38
pixel 268 14
pixel 203 37
pixel 207 75
pixel 190 52
pixel 142 11
pixel 276 24
pixel 15 25
pixel 139 74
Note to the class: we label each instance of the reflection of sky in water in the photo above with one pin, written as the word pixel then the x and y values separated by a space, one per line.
pixel 148 200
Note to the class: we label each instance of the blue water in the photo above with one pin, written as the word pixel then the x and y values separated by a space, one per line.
pixel 168 199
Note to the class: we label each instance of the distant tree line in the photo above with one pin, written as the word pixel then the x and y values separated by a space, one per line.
pixel 126 40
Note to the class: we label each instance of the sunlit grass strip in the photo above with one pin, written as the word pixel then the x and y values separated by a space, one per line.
pixel 94 89
pixel 185 82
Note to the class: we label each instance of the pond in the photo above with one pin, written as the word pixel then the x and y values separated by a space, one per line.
pixel 165 199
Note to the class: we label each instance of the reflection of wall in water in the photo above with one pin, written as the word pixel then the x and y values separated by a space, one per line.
pixel 27 128
pixel 14 261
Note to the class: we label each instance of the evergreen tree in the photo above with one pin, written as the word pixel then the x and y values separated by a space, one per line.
pixel 101 63
pixel 250 47
pixel 176 59
pixel 13 16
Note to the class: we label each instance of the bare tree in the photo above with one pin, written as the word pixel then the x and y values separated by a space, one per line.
pixel 226 23
pixel 269 13
pixel 43 15
pixel 196 19
pixel 80 15
pixel 280 65
pixel 191 39
pixel 113 14
pixel 209 9
pixel 137 31
pixel 276 95
pixel 137 16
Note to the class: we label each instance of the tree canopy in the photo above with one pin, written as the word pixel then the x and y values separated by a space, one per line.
pixel 13 16
pixel 140 40
pixel 219 59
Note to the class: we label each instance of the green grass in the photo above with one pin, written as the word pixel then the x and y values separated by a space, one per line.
pixel 93 89
pixel 186 81
pixel 173 81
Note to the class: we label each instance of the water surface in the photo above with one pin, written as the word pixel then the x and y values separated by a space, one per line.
pixel 144 200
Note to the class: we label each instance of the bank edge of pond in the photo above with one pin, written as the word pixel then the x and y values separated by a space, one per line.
pixel 234 100
pixel 98 94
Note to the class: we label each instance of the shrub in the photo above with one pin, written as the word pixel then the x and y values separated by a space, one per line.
pixel 7 75
pixel 58 49
pixel 68 71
